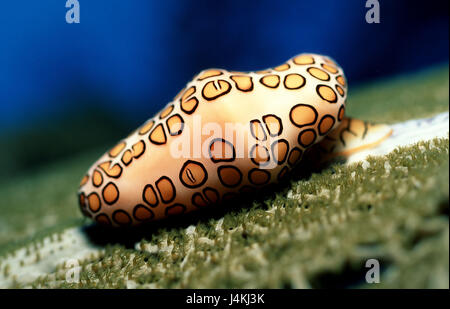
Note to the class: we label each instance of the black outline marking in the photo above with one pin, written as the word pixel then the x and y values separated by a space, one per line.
pixel 188 98
pixel 166 211
pixel 102 223
pixel 320 123
pixel 146 208
pixel 124 146
pixel 293 74
pixel 339 87
pixel 328 75
pixel 220 94
pixel 214 191
pixel 131 158
pixel 189 175
pixel 203 199
pixel 101 178
pixel 233 168
pixel 332 66
pixel 171 110
pixel 299 138
pixel 284 171
pixel 320 96
pixel 267 126
pixel 273 150
pixel 140 129
pixel 299 157
pixel 103 193
pixel 193 109
pixel 220 73
pixel 143 149
pixel 313 60
pixel 274 87
pixel 110 161
pixel 237 86
pixel 253 170
pixel 288 67
pixel 225 142
pixel 252 157
pixel 82 196
pixel 339 112
pixel 182 125
pixel 126 213
pixel 164 132
pixel 345 83
pixel 99 202
pixel 159 190
pixel 154 193
pixel 253 132
pixel 316 114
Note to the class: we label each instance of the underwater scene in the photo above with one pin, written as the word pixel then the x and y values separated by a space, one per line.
pixel 224 145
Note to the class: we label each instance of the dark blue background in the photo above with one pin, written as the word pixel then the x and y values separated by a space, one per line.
pixel 132 57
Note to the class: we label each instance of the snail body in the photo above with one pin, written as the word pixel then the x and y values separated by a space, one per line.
pixel 226 133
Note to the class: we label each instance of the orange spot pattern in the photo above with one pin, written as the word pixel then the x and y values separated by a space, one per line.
pixel 193 175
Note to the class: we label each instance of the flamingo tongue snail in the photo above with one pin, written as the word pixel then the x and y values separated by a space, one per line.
pixel 224 134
